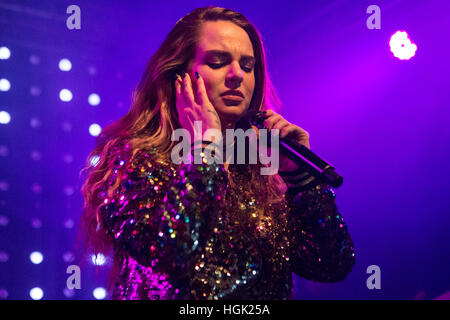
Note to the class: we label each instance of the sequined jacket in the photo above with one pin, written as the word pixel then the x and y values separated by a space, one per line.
pixel 182 232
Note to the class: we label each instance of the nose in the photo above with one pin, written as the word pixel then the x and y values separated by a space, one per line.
pixel 234 76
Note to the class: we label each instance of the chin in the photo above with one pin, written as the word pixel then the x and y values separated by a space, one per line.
pixel 231 113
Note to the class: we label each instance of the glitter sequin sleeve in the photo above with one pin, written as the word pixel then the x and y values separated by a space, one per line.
pixel 161 214
pixel 321 247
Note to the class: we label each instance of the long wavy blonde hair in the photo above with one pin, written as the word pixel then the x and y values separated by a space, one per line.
pixel 153 117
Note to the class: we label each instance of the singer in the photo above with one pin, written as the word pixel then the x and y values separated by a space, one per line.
pixel 208 230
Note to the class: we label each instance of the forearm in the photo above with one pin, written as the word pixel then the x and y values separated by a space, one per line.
pixel 321 246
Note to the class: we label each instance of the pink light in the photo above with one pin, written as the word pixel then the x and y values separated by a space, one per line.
pixel 401 46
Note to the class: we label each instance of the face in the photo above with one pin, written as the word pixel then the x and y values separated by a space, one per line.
pixel 224 58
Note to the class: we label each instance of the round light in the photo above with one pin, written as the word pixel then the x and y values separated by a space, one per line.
pixel 36 223
pixel 69 223
pixel 65 65
pixel 401 46
pixel 5 118
pixel 98 259
pixel 69 293
pixel 95 129
pixel 4 185
pixel 3 293
pixel 94 99
pixel 36 293
pixel 99 293
pixel 35 122
pixel 4 84
pixel 4 221
pixel 35 59
pixel 35 155
pixel 69 190
pixel 4 151
pixel 66 126
pixel 4 53
pixel 65 95
pixel 36 257
pixel 68 256
pixel 3 256
pixel 35 91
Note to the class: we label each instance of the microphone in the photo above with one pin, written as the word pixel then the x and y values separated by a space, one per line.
pixel 298 153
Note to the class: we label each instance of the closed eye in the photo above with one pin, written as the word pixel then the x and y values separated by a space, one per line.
pixel 220 65
pixel 215 65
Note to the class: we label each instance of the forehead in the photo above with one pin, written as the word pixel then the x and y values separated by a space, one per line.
pixel 225 36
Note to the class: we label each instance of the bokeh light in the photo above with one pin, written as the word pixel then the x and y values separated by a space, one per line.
pixel 401 46
pixel 95 129
pixel 99 293
pixel 36 293
pixel 65 65
pixel 5 117
pixel 36 257
pixel 5 53
pixel 94 99
pixel 5 85
pixel 65 95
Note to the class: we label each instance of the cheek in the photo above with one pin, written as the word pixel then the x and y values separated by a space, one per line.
pixel 251 85
pixel 212 85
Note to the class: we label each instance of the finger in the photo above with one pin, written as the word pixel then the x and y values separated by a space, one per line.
pixel 187 89
pixel 201 90
pixel 178 85
pixel 179 100
pixel 271 121
pixel 285 131
pixel 280 124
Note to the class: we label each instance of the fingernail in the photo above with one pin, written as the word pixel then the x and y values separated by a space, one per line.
pixel 175 76
pixel 197 75
pixel 261 115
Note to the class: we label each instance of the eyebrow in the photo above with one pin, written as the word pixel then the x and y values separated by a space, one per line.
pixel 227 54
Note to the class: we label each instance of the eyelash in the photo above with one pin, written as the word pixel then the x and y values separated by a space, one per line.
pixel 219 65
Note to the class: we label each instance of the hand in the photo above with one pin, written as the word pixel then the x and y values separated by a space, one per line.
pixel 289 131
pixel 192 108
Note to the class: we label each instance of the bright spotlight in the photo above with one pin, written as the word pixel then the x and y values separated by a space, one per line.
pixel 95 129
pixel 36 293
pixel 4 84
pixel 401 46
pixel 99 293
pixel 94 99
pixel 4 53
pixel 65 65
pixel 65 95
pixel 5 118
pixel 36 257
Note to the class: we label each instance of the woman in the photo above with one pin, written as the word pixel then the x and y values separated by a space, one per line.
pixel 208 230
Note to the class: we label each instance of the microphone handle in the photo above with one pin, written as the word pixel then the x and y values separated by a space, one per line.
pixel 310 162
pixel 297 152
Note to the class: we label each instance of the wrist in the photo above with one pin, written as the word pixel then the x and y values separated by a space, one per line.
pixel 298 180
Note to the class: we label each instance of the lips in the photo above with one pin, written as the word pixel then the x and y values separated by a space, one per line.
pixel 233 93
pixel 232 98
